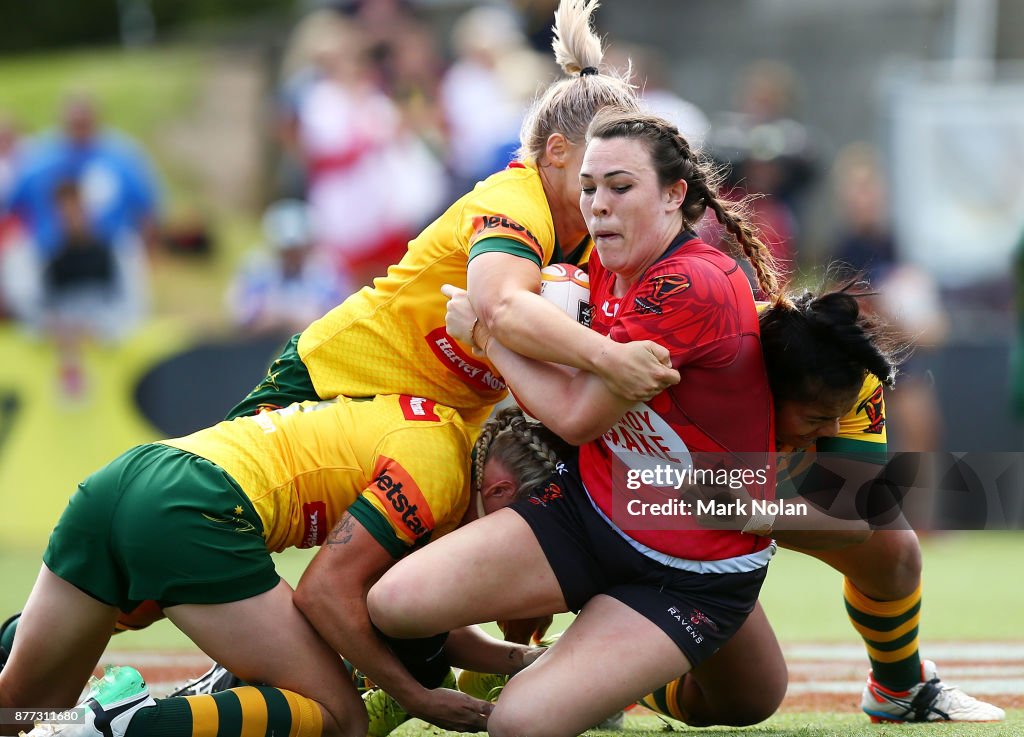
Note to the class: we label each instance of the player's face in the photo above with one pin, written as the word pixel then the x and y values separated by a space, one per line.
pixel 800 424
pixel 631 217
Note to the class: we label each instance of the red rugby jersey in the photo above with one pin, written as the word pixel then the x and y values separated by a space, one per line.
pixel 697 303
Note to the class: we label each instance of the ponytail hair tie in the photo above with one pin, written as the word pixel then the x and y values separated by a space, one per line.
pixel 588 70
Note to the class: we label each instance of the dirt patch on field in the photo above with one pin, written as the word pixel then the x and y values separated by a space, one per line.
pixel 821 684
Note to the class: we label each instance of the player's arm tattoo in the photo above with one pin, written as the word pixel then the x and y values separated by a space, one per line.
pixel 342 531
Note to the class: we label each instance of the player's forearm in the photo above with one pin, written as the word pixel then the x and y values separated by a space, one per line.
pixel 344 622
pixel 575 406
pixel 528 324
pixel 473 649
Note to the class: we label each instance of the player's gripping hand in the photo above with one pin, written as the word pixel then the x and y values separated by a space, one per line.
pixel 452 710
pixel 638 371
pixel 460 319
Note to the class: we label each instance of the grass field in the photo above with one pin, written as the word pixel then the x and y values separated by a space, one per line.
pixel 971 626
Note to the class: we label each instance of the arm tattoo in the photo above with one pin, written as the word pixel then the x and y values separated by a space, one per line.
pixel 342 531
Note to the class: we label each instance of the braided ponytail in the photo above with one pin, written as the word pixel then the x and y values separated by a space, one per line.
pixel 525 447
pixel 733 217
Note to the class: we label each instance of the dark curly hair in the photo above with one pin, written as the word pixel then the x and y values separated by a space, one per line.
pixel 825 343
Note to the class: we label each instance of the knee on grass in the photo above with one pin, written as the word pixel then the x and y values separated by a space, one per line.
pixel 507 722
pixel 734 709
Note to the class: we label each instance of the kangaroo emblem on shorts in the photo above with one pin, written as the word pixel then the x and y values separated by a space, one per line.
pixel 242 524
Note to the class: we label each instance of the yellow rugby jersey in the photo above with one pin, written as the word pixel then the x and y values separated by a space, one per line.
pixel 390 338
pixel 399 464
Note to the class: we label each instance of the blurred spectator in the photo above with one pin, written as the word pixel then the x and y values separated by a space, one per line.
pixel 768 151
pixel 649 71
pixel 117 182
pixel 402 48
pixel 762 129
pixel 536 16
pixel 283 287
pixel 906 296
pixel 371 182
pixel 9 228
pixel 9 149
pixel 83 292
pixel 118 192
pixel 299 71
pixel 415 86
pixel 408 66
pixel 909 299
pixel 865 241
pixel 486 91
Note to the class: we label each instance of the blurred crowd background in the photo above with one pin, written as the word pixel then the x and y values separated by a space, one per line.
pixel 185 184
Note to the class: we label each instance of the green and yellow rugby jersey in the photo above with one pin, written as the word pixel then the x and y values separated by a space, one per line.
pixel 399 464
pixel 390 338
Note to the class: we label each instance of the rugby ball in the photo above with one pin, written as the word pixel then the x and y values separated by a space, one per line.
pixel 567 287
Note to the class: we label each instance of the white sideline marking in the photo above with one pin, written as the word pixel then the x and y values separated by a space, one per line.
pixel 937 651
pixel 974 687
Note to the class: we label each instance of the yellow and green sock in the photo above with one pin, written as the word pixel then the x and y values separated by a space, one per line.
pixel 665 700
pixel 249 711
pixel 889 629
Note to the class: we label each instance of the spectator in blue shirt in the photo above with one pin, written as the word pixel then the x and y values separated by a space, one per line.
pixel 118 192
pixel 115 177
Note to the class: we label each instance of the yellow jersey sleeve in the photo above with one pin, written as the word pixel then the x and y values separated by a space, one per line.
pixel 390 338
pixel 419 488
pixel 510 208
pixel 305 465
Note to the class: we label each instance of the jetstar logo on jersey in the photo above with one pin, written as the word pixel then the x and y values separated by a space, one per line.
pixel 314 519
pixel 418 409
pixel 402 498
pixel 500 226
pixel 471 372
pixel 658 290
pixel 872 407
